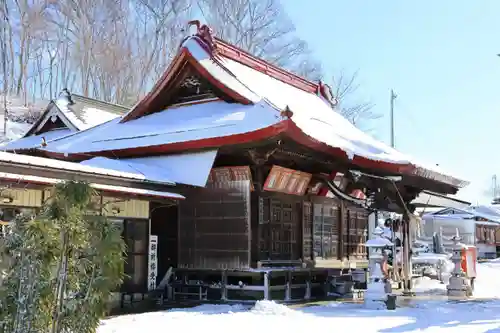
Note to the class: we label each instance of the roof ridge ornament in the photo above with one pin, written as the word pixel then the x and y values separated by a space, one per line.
pixel 205 34
pixel 286 113
pixel 66 96
pixel 325 91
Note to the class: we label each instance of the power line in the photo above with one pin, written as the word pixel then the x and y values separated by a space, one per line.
pixel 4 66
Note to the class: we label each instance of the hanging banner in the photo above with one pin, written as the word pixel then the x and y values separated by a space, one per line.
pixel 287 181
pixel 152 262
pixel 229 174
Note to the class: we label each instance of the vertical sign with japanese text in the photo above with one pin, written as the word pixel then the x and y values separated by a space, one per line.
pixel 152 262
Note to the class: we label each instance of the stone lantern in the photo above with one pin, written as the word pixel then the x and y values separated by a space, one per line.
pixel 459 284
pixel 379 289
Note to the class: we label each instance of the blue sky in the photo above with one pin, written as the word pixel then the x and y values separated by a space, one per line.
pixel 438 56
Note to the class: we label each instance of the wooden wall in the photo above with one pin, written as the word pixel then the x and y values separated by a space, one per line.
pixel 21 198
pixel 320 229
pixel 118 207
pixel 214 227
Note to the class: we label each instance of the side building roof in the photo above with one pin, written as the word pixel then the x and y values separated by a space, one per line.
pixel 63 116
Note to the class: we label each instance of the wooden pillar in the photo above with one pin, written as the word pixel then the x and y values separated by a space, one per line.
pixel 267 295
pixel 342 221
pixel 223 289
pixel 407 267
pixel 288 290
pixel 307 296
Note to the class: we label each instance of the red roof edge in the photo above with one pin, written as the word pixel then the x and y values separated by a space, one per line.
pixel 162 82
pixel 218 47
pixel 183 57
pixel 237 54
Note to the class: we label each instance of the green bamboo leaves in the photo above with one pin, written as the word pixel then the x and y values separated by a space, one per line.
pixel 60 267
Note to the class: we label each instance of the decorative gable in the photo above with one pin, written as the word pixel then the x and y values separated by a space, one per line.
pixel 52 119
pixel 53 123
pixel 184 84
pixel 193 88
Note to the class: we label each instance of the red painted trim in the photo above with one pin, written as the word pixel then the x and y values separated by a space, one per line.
pixel 237 54
pixel 158 88
pixel 296 134
pixel 32 129
pixel 179 147
pixel 163 85
pixel 323 191
pixel 203 72
pixel 287 127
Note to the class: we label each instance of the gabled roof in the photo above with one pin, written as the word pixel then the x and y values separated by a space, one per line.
pixel 63 116
pixel 255 101
pixel 77 112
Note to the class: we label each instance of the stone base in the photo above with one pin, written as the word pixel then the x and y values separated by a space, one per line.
pixel 376 295
pixel 459 286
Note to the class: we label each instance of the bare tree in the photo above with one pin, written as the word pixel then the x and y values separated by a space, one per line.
pixel 116 50
pixel 262 28
pixel 357 111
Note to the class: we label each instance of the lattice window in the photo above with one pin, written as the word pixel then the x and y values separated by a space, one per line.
pixel 325 226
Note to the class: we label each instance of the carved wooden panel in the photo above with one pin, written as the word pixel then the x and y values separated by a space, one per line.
pixel 193 87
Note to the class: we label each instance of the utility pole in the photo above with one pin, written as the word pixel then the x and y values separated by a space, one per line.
pixel 393 97
pixel 4 66
pixel 494 185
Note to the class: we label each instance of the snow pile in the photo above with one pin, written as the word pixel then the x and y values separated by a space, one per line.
pixel 488 280
pixel 428 286
pixel 418 315
pixel 215 309
pixel 486 286
pixel 429 316
pixel 271 308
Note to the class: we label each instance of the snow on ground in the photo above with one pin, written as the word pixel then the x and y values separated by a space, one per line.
pixel 18 112
pixel 15 130
pixel 434 314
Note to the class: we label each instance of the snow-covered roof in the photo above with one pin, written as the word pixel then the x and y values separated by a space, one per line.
pixel 103 187
pixel 35 141
pixel 81 114
pixel 47 163
pixel 189 123
pixel 309 120
pixel 189 168
pixel 468 213
pixel 88 112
